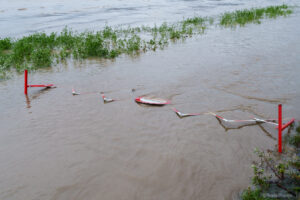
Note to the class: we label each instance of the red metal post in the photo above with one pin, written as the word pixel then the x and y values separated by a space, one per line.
pixel 25 81
pixel 279 128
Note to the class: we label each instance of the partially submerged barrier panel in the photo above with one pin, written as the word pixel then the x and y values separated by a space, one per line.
pixel 26 86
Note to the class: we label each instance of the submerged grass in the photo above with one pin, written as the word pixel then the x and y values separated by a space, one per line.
pixel 42 50
pixel 254 15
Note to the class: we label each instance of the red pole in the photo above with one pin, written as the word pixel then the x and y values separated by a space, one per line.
pixel 25 81
pixel 279 128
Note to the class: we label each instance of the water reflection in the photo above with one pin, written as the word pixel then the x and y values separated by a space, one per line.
pixel 27 101
pixel 36 94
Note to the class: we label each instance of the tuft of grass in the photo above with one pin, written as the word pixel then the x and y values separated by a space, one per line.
pixel 254 15
pixel 253 195
pixel 174 34
pixel 295 139
pixel 194 21
pixel 41 57
pixel 298 129
pixel 5 44
pixel 5 62
pixel 133 44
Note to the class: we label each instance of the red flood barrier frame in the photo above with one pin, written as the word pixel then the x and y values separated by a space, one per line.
pixel 281 127
pixel 27 86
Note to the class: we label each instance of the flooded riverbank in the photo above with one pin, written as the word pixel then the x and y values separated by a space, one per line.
pixel 41 50
pixel 57 146
pixel 20 18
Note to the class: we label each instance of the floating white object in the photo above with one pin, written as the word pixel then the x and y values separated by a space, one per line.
pixel 74 92
pixel 181 115
pixel 230 120
pixel 246 120
pixel 265 121
pixel 107 100
pixel 152 101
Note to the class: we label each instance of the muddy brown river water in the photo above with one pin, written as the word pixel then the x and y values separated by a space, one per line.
pixel 55 146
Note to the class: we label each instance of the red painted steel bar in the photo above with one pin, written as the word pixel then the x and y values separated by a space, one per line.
pixel 287 124
pixel 284 126
pixel 49 85
pixel 26 86
pixel 279 128
pixel 25 81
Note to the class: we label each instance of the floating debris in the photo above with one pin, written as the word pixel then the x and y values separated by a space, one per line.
pixel 74 92
pixel 182 115
pixel 232 120
pixel 107 100
pixel 152 101
pixel 265 121
pixel 256 120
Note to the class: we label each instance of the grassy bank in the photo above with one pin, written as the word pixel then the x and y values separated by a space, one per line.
pixel 42 50
pixel 277 176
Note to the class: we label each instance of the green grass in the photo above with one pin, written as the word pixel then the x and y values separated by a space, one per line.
pixel 295 139
pixel 253 195
pixel 5 44
pixel 254 15
pixel 42 50
pixel 275 174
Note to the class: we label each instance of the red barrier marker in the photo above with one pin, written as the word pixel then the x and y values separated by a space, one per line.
pixel 25 82
pixel 26 86
pixel 279 128
pixel 287 124
pixel 284 126
pixel 48 85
